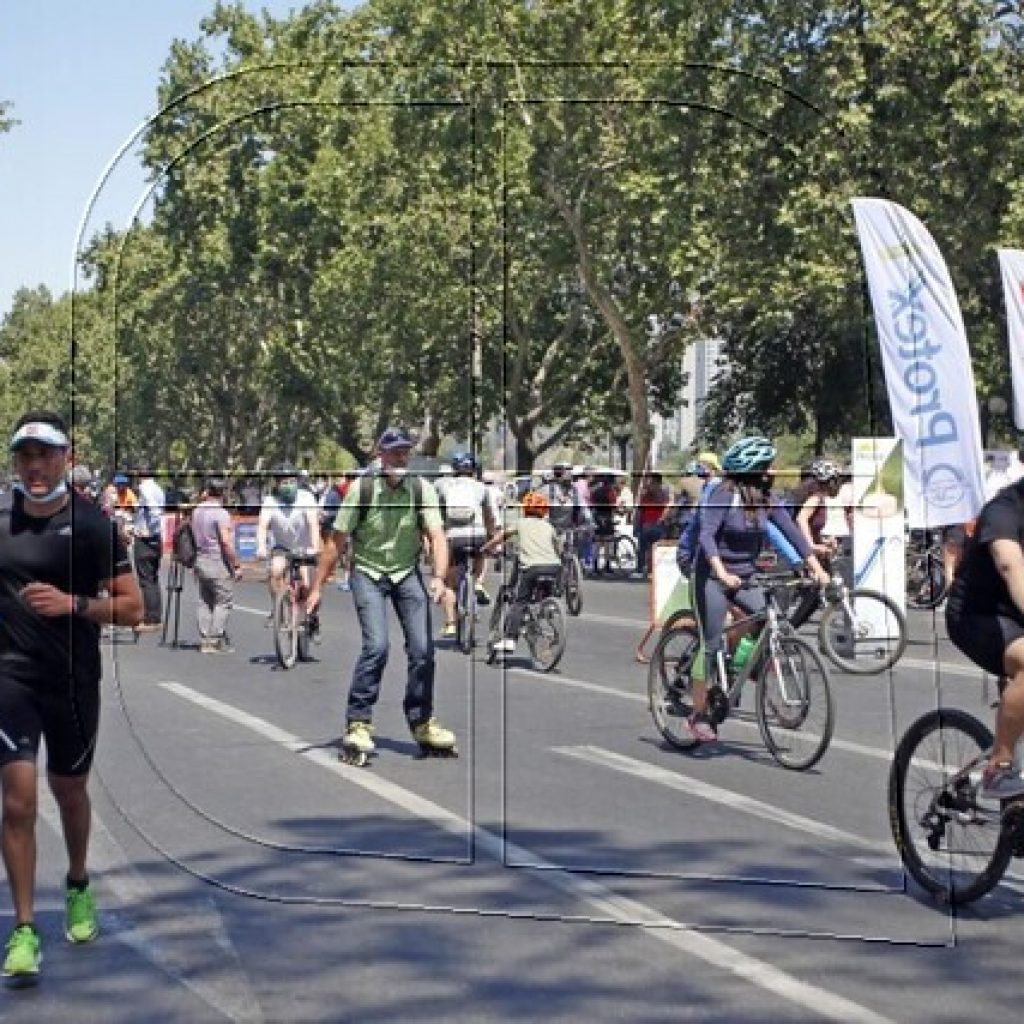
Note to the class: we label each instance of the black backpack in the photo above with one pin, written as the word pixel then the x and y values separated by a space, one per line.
pixel 183 545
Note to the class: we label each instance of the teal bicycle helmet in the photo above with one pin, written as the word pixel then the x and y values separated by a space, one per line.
pixel 749 455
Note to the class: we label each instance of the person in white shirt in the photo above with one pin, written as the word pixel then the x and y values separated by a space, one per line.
pixel 147 548
pixel 289 524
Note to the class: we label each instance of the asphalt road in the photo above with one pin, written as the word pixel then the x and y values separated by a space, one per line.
pixel 567 866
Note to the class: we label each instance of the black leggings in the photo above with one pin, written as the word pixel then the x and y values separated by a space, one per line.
pixel 523 584
pixel 713 600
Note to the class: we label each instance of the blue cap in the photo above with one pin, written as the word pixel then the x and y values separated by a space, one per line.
pixel 120 480
pixel 394 438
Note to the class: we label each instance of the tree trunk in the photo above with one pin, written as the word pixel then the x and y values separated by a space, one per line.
pixel 524 455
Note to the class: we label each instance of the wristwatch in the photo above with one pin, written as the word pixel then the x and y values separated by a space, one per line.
pixel 81 604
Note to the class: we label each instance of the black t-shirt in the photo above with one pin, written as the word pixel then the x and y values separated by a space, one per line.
pixel 74 550
pixel 979 587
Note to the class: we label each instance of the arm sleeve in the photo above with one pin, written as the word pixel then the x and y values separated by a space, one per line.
pixel 777 539
pixel 712 517
pixel 784 521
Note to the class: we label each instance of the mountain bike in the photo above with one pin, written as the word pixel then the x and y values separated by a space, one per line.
pixel 955 843
pixel 795 711
pixel 543 624
pixel 294 628
pixel 927 584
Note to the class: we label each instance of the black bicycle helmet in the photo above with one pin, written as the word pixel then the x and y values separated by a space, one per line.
pixel 749 455
pixel 463 463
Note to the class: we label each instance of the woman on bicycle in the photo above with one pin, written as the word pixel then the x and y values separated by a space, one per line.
pixel 733 523
pixel 536 555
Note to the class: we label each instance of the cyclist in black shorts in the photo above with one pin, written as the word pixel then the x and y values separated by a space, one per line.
pixel 57 552
pixel 985 620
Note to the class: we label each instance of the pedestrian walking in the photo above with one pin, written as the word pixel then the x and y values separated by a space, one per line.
pixel 147 548
pixel 217 567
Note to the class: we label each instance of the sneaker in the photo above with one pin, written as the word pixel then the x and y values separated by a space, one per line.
pixel 344 586
pixel 432 736
pixel 701 729
pixel 448 630
pixel 222 645
pixel 80 921
pixel 505 646
pixel 482 597
pixel 23 954
pixel 207 646
pixel 1001 782
pixel 358 737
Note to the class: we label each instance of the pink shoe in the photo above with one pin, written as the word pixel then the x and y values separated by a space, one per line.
pixel 701 729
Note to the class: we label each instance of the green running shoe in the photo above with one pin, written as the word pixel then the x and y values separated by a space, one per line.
pixel 80 921
pixel 23 955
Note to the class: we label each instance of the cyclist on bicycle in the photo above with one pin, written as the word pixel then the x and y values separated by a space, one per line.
pixel 810 504
pixel 565 508
pixel 289 521
pixel 537 555
pixel 468 522
pixel 732 528
pixel 985 620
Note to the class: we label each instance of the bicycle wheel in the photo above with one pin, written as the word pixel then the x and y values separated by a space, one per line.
pixel 949 840
pixel 670 686
pixel 286 628
pixel 623 555
pixel 926 581
pixel 545 634
pixel 465 612
pixel 794 703
pixel 865 633
pixel 573 584
pixel 303 640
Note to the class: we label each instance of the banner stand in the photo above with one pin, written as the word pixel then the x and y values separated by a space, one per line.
pixel 668 592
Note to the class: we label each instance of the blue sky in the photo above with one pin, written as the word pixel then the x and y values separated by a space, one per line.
pixel 81 76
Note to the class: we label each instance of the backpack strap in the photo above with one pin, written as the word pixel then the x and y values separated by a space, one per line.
pixel 366 499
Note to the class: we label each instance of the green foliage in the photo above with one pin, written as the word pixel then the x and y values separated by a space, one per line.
pixel 439 214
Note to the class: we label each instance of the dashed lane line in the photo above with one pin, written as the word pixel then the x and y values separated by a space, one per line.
pixel 822 1003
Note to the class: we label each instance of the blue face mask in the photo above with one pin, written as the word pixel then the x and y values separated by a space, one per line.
pixel 58 491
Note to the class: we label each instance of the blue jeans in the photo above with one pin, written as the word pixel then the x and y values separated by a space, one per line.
pixel 413 607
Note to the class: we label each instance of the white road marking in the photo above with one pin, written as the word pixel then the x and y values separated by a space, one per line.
pixel 174 943
pixel 820 1002
pixel 715 794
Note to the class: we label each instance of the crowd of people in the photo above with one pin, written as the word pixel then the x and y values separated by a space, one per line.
pixel 76 556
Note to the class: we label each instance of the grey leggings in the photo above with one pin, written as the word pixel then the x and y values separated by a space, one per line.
pixel 713 600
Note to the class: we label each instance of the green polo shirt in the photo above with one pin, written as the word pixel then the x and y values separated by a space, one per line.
pixel 387 542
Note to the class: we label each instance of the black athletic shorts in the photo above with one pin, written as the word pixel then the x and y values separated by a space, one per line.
pixel 68 720
pixel 983 638
pixel 465 545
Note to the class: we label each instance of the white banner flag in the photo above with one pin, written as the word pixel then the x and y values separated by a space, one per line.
pixel 1011 264
pixel 927 365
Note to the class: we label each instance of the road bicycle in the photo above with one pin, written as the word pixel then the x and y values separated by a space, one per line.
pixel 293 627
pixel 955 843
pixel 465 602
pixel 795 711
pixel 570 580
pixel 543 625
pixel 927 584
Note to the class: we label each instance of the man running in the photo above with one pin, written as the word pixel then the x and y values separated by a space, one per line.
pixel 57 553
